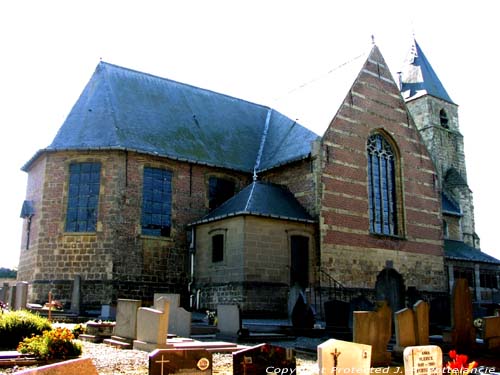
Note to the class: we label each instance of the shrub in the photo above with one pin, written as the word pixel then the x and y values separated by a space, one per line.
pixel 78 329
pixel 56 344
pixel 17 325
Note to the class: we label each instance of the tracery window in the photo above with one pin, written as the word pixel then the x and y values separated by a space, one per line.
pixel 382 186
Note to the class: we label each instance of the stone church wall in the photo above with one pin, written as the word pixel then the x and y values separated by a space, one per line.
pixel 255 271
pixel 116 261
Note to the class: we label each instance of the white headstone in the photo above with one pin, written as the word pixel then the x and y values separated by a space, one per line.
pixel 126 318
pixel 343 357
pixel 173 298
pixel 423 360
pixel 152 328
pixel 228 320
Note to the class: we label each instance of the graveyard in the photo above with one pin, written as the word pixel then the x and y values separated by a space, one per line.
pixel 165 338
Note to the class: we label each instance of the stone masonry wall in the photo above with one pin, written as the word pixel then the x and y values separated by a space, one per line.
pixel 446 147
pixel 256 261
pixel 349 252
pixel 117 258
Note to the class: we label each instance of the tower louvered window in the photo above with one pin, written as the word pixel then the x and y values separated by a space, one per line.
pixel 156 202
pixel 83 197
pixel 382 186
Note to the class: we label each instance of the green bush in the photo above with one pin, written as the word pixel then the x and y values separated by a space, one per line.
pixel 56 344
pixel 17 325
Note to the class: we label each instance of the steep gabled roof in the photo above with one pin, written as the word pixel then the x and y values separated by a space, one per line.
pixel 261 199
pixel 418 77
pixel 459 250
pixel 125 109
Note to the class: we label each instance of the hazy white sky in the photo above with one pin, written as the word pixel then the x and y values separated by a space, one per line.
pixel 255 50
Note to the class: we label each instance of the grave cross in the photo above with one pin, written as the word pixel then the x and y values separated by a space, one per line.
pixel 162 362
pixel 336 355
pixel 245 361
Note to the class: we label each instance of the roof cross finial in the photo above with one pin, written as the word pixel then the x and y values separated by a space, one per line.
pixel 373 39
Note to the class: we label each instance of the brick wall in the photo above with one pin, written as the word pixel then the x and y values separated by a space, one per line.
pixel 349 252
pixel 116 261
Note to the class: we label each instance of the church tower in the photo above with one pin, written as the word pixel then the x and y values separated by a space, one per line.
pixel 436 116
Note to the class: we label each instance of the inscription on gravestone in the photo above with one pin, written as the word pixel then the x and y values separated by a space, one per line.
pixel 264 359
pixel 423 360
pixel 180 361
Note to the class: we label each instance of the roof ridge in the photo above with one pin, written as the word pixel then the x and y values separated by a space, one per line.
pixel 262 143
pixel 138 72
pixel 112 100
pixel 250 196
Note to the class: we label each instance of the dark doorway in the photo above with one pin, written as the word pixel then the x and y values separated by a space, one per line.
pixel 299 265
pixel 390 286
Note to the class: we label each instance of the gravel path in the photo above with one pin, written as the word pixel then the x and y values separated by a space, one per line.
pixel 111 361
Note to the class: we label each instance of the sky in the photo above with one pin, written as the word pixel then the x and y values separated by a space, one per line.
pixel 257 50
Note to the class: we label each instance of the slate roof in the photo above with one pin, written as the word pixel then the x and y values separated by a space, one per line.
pixel 449 206
pixel 124 109
pixel 418 77
pixel 459 250
pixel 261 199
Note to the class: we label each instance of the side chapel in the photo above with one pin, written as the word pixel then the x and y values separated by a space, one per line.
pixel 152 185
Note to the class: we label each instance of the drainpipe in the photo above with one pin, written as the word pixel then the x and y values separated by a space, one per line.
pixel 192 249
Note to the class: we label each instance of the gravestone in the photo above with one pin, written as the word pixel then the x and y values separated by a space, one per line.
pixel 337 313
pixel 12 297
pixel 423 360
pixel 422 310
pixel 175 361
pixel 491 331
pixel 463 334
pixel 78 366
pixel 404 325
pixel 179 320
pixel 152 327
pixel 412 326
pixel 343 357
pixel 374 328
pixel 173 298
pixel 4 293
pixel 126 318
pixel 264 359
pixel 75 294
pixel 228 320
pixel 302 314
pixel 359 303
pixel 21 295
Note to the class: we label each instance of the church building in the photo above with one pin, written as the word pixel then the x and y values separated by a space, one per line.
pixel 152 185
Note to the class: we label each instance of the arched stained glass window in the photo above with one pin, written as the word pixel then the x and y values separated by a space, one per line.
pixel 382 186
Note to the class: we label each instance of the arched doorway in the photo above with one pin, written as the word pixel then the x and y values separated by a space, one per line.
pixel 390 286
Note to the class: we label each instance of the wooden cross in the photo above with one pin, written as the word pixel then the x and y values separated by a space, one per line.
pixel 162 362
pixel 336 355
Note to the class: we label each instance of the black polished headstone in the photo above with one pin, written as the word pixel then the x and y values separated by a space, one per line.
pixel 302 314
pixel 183 361
pixel 264 359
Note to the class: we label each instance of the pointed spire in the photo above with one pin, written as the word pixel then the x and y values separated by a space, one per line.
pixel 418 78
